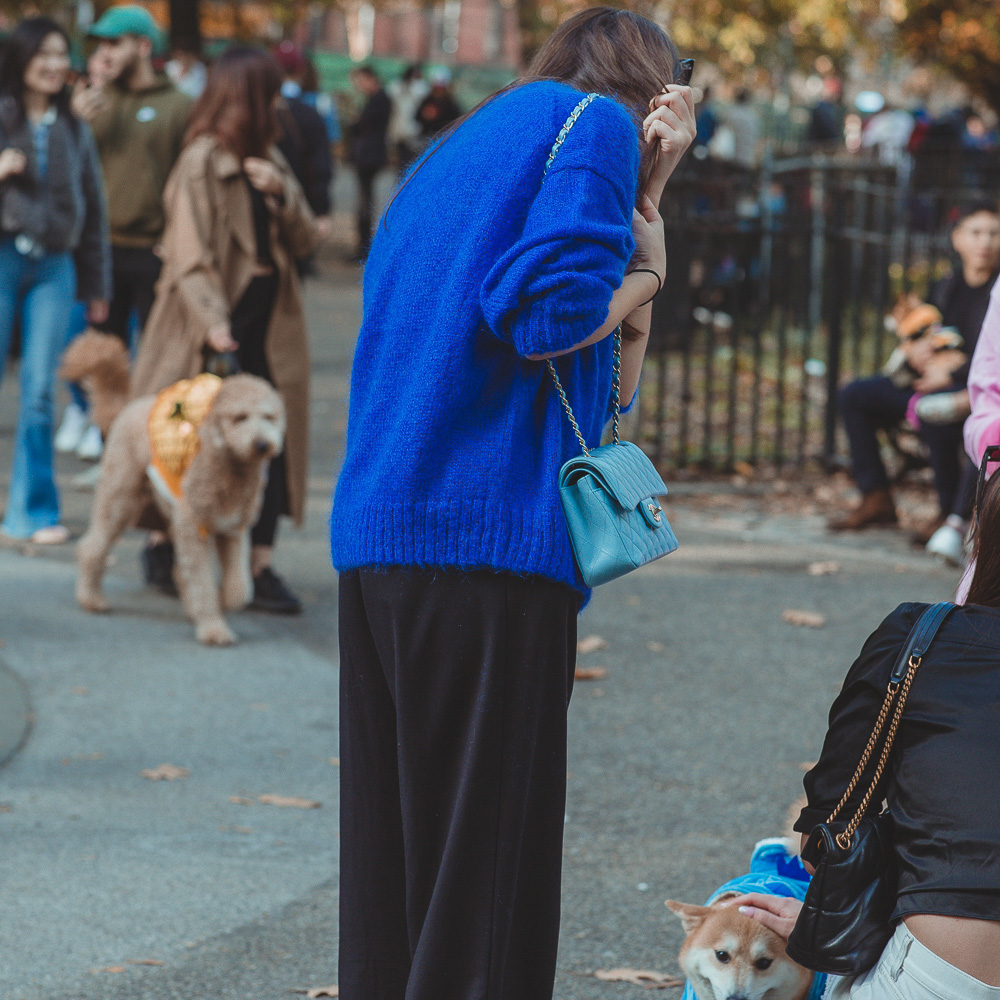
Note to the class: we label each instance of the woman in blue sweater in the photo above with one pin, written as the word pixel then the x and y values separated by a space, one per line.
pixel 458 591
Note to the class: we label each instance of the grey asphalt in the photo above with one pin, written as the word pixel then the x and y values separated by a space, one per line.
pixel 686 753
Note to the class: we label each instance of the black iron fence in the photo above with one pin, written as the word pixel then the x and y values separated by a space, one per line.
pixel 778 282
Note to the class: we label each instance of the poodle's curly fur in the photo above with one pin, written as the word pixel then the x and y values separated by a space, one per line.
pixel 222 494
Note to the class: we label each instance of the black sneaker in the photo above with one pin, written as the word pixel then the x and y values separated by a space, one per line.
pixel 158 567
pixel 272 595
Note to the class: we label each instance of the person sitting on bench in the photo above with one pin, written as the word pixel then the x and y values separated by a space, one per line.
pixel 870 404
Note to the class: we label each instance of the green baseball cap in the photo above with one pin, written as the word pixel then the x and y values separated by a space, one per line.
pixel 130 19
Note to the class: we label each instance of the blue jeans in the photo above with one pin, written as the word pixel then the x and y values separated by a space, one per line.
pixel 42 293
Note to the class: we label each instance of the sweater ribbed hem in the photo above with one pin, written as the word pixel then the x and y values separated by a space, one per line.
pixel 468 534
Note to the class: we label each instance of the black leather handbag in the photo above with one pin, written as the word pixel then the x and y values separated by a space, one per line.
pixel 843 926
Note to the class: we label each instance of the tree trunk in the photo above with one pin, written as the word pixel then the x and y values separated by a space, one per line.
pixel 185 25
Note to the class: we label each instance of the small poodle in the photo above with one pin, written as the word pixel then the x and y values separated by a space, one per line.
pixel 221 491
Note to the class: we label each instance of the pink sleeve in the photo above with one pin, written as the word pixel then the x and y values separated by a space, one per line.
pixel 983 426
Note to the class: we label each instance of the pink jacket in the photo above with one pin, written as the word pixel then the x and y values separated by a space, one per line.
pixel 983 427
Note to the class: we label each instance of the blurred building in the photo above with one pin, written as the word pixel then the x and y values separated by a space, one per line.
pixel 463 32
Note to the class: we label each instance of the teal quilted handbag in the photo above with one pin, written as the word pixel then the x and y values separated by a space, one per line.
pixel 610 494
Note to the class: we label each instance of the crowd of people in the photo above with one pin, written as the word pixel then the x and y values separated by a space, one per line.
pixel 110 220
pixel 963 137
pixel 181 223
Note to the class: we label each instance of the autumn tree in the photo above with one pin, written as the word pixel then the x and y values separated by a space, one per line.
pixel 960 36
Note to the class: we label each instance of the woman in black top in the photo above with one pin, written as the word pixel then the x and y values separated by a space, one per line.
pixel 943 790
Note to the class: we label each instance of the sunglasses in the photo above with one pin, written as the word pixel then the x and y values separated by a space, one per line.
pixel 992 454
pixel 685 69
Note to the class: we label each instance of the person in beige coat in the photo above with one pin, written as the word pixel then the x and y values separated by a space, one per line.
pixel 229 293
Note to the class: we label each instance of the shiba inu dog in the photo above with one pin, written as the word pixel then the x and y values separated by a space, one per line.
pixel 727 956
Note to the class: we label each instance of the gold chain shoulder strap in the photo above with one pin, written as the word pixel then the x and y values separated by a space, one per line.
pixel 902 689
pixel 617 363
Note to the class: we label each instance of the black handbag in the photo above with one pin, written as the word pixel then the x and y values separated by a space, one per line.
pixel 843 926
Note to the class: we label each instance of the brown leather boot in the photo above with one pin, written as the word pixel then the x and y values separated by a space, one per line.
pixel 875 508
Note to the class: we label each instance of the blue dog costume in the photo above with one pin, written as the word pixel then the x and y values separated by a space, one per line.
pixel 774 872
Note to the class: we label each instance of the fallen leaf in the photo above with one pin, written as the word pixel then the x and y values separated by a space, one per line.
pixel 807 765
pixel 260 706
pixel 166 772
pixel 335 761
pixel 110 968
pixel 744 469
pixel 319 991
pixel 82 691
pixel 808 619
pixel 145 961
pixel 591 673
pixel 639 977
pixel 827 568
pixel 239 800
pixel 4 808
pixel 590 644
pixel 655 647
pixel 288 802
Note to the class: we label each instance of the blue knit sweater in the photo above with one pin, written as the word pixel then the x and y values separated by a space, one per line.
pixel 455 438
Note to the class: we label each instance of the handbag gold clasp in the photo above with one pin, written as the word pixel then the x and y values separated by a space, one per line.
pixel 655 509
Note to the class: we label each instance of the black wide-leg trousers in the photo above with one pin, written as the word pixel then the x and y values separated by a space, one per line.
pixel 454 689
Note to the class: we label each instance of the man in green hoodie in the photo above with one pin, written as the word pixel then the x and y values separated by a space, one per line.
pixel 139 119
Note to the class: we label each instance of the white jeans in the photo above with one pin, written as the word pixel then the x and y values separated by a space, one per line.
pixel 909 971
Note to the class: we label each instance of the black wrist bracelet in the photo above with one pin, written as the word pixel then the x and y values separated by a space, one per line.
pixel 659 283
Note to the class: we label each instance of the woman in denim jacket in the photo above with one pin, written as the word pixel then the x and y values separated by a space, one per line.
pixel 53 249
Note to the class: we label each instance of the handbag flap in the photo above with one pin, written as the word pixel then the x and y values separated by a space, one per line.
pixel 623 470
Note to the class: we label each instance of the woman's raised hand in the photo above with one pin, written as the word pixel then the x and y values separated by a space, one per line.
pixel 647 231
pixel 671 124
pixel 264 175
pixel 12 161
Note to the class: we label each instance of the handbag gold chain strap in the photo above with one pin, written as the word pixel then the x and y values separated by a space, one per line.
pixel 616 369
pixel 843 838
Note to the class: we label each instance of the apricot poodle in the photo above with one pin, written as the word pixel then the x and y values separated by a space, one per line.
pixel 222 492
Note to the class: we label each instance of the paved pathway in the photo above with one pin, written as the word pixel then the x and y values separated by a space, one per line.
pixel 684 755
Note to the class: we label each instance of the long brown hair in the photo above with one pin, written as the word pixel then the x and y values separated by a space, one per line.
pixel 613 52
pixel 604 50
pixel 985 587
pixel 237 106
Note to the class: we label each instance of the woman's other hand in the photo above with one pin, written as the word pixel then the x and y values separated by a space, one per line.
pixel 97 312
pixel 647 231
pixel 264 175
pixel 220 338
pixel 12 161
pixel 777 913
pixel 671 124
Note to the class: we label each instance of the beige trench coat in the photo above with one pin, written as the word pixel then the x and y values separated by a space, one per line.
pixel 209 254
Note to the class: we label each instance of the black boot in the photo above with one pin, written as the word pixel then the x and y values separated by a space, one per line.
pixel 158 567
pixel 271 594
